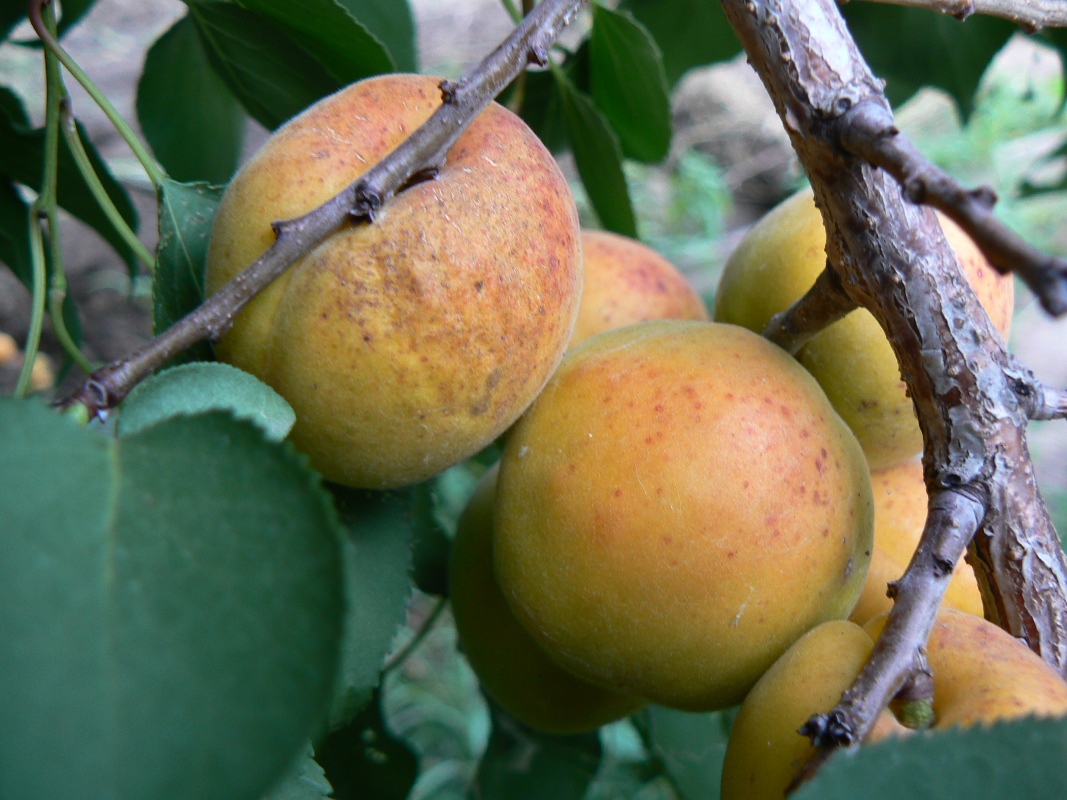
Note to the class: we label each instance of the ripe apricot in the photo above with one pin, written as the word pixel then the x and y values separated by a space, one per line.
pixel 679 505
pixel 778 261
pixel 765 751
pixel 407 344
pixel 627 282
pixel 900 502
pixel 983 674
pixel 512 668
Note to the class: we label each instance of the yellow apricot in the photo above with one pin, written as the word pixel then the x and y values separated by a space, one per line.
pixel 679 505
pixel 628 282
pixel 512 669
pixel 406 345
pixel 765 751
pixel 983 674
pixel 778 261
pixel 900 502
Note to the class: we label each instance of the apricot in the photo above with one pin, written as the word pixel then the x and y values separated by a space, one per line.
pixel 778 261
pixel 679 505
pixel 900 502
pixel 765 751
pixel 512 668
pixel 983 674
pixel 408 344
pixel 627 282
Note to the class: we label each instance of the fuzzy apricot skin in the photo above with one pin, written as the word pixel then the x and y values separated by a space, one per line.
pixel 625 282
pixel 982 674
pixel 900 501
pixel 408 344
pixel 777 262
pixel 512 668
pixel 679 505
pixel 765 751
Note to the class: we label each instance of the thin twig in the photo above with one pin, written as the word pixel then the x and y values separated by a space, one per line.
pixel 418 638
pixel 822 305
pixel 423 152
pixel 867 131
pixel 1030 15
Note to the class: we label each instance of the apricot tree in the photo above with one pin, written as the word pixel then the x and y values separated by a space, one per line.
pixel 185 604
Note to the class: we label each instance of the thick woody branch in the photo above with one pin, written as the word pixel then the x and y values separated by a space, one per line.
pixel 418 157
pixel 892 259
pixel 867 131
pixel 823 304
pixel 1030 15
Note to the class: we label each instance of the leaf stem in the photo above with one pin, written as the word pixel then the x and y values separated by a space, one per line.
pixel 33 336
pixel 103 199
pixel 155 172
pixel 418 638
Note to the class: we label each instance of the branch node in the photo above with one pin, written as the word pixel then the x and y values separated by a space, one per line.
pixel 449 91
pixel 537 55
pixel 828 730
pixel 366 204
pixel 985 195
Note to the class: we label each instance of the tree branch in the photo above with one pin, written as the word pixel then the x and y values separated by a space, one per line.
pixel 892 258
pixel 867 131
pixel 823 304
pixel 1030 15
pixel 420 155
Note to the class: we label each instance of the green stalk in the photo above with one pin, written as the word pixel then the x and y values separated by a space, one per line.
pixel 103 199
pixel 33 337
pixel 417 639
pixel 155 172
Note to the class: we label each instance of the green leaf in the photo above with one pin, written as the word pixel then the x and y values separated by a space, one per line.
pixel 188 115
pixel 629 84
pixel 392 24
pixel 14 232
pixel 22 160
pixel 171 604
pixel 1017 759
pixel 523 764
pixel 73 11
pixel 304 781
pixel 691 748
pixel 327 29
pixel 911 48
pixel 377 558
pixel 186 213
pixel 690 33
pixel 201 387
pixel 598 156
pixel 12 12
pixel 365 760
pixel 269 72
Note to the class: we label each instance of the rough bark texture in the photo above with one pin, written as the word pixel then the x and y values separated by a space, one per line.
pixel 892 258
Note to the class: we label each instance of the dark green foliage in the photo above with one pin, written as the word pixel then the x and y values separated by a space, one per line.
pixel 186 212
pixel 926 48
pixel 522 764
pixel 365 761
pixel 182 103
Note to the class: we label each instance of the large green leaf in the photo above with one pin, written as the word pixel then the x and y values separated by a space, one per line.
pixel 392 24
pixel 365 761
pixel 201 387
pixel 14 232
pixel 377 555
pixel 911 48
pixel 690 33
pixel 271 74
pixel 629 84
pixel 190 118
pixel 22 160
pixel 327 29
pixel 1018 759
pixel 522 764
pixel 171 604
pixel 598 156
pixel 186 213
